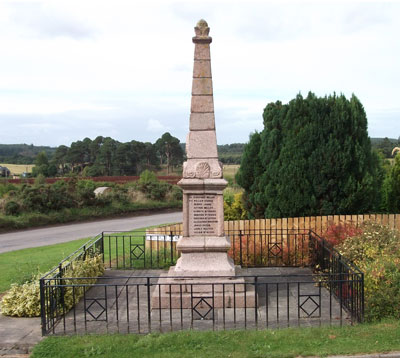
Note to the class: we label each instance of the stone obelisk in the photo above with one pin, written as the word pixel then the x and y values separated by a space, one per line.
pixel 204 245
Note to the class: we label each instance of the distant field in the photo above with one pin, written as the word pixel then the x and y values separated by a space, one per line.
pixel 18 168
pixel 231 169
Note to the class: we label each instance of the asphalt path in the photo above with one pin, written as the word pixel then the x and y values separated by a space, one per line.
pixel 63 233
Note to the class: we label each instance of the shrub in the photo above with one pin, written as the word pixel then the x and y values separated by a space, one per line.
pixel 152 187
pixel 40 179
pixel 376 251
pixel 234 207
pixel 158 190
pixel 7 188
pixel 7 222
pixel 84 193
pixel 58 197
pixel 175 193
pixel 251 249
pixel 24 300
pixel 44 198
pixel 136 195
pixel 12 208
pixel 118 195
pixel 147 177
pixel 34 198
pixel 335 234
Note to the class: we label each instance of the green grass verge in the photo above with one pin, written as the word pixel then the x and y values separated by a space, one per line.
pixel 292 342
pixel 19 266
pixel 117 251
pixel 34 219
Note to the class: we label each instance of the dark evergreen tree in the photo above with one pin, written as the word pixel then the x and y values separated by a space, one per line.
pixel 249 173
pixel 169 149
pixel 315 159
pixel 106 155
pixel 43 167
pixel 60 157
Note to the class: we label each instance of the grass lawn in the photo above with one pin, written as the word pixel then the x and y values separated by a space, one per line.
pixel 292 342
pixel 19 266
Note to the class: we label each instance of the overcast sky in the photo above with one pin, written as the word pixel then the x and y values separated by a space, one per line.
pixel 75 69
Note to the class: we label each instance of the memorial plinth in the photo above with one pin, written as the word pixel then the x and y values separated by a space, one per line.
pixel 204 247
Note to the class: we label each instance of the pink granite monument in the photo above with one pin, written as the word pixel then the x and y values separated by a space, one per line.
pixel 204 245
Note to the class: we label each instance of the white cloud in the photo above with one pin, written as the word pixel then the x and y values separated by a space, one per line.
pixel 45 105
pixel 154 125
pixel 45 19
pixel 120 63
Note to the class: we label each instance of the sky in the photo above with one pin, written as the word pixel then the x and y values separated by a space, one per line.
pixel 71 69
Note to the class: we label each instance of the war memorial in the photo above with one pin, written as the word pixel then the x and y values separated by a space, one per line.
pixel 204 273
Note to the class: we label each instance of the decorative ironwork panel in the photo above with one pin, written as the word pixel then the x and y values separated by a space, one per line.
pixel 308 305
pixel 96 308
pixel 202 308
pixel 275 249
pixel 137 252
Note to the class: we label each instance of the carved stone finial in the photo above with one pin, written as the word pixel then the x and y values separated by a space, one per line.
pixel 202 29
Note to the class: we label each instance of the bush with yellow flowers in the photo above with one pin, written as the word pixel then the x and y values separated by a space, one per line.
pixel 234 206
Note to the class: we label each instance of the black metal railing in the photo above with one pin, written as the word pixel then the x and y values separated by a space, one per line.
pixel 349 288
pixel 138 249
pixel 335 277
pixel 249 248
pixel 52 292
pixel 135 304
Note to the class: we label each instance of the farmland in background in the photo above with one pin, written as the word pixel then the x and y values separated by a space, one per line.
pixel 231 169
pixel 18 169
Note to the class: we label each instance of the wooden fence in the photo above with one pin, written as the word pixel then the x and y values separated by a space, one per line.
pixel 318 224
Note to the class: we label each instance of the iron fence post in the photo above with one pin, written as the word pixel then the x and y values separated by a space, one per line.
pixel 148 303
pixel 310 250
pixel 362 298
pixel 42 307
pixel 172 248
pixel 61 283
pixel 102 245
pixel 240 247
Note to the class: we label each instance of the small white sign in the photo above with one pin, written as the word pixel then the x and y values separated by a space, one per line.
pixel 162 238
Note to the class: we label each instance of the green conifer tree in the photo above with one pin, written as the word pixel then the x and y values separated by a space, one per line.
pixel 314 159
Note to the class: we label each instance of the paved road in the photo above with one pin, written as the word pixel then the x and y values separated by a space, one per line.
pixel 56 234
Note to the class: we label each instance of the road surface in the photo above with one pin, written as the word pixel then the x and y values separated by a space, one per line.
pixel 63 233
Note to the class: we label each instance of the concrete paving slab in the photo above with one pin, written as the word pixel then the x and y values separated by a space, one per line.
pixel 18 335
pixel 285 297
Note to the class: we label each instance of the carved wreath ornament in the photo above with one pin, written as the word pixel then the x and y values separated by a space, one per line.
pixel 202 170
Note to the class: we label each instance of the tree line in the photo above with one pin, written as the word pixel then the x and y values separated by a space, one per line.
pixel 22 153
pixel 385 145
pixel 105 156
pixel 26 154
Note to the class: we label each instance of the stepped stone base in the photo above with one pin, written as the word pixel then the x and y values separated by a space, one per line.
pixel 202 292
pixel 203 264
